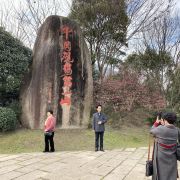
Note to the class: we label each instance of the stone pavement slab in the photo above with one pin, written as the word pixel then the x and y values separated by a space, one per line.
pixel 118 164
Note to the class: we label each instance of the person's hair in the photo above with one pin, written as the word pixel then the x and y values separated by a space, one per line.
pixel 170 117
pixel 50 111
pixel 98 106
pixel 159 115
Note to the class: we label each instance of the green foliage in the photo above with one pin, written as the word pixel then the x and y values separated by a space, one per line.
pixel 7 119
pixel 159 71
pixel 101 17
pixel 174 91
pixel 104 22
pixel 14 61
pixel 15 106
pixel 150 60
pixel 150 120
pixel 95 74
pixel 153 66
pixel 118 119
pixel 178 121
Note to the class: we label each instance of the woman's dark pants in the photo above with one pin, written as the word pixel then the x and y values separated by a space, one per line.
pixel 49 140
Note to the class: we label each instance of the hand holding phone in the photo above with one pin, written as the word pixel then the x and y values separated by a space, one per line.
pixel 158 120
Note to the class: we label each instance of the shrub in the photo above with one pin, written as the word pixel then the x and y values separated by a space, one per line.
pixel 150 120
pixel 126 92
pixel 15 106
pixel 7 119
pixel 15 59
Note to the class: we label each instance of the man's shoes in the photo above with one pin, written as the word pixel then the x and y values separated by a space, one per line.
pixel 52 151
pixel 101 149
pixel 96 149
pixel 45 151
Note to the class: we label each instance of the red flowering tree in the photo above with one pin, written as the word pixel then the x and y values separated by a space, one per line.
pixel 127 91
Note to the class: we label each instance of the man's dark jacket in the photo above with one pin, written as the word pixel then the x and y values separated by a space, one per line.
pixel 96 118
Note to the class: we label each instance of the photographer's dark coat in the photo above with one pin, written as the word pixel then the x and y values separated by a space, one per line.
pixel 165 161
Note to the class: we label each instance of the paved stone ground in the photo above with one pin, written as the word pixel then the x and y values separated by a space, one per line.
pixel 120 164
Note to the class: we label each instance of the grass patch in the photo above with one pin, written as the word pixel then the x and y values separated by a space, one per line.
pixel 72 140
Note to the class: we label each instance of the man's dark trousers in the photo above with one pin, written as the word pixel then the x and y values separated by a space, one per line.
pixel 99 136
pixel 49 140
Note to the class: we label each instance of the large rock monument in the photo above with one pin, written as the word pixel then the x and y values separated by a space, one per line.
pixel 60 77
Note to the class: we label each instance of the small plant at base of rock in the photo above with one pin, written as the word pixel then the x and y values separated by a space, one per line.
pixel 7 119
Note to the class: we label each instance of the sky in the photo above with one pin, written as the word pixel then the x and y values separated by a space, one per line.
pixel 178 4
pixel 16 18
pixel 65 8
pixel 65 4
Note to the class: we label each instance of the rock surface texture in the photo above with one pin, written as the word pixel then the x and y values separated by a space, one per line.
pixel 60 77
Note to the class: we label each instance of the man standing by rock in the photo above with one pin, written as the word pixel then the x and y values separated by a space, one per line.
pixel 98 122
pixel 49 129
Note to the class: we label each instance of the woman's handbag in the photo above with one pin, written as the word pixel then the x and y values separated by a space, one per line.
pixel 149 163
pixel 178 152
pixel 47 133
pixel 178 147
